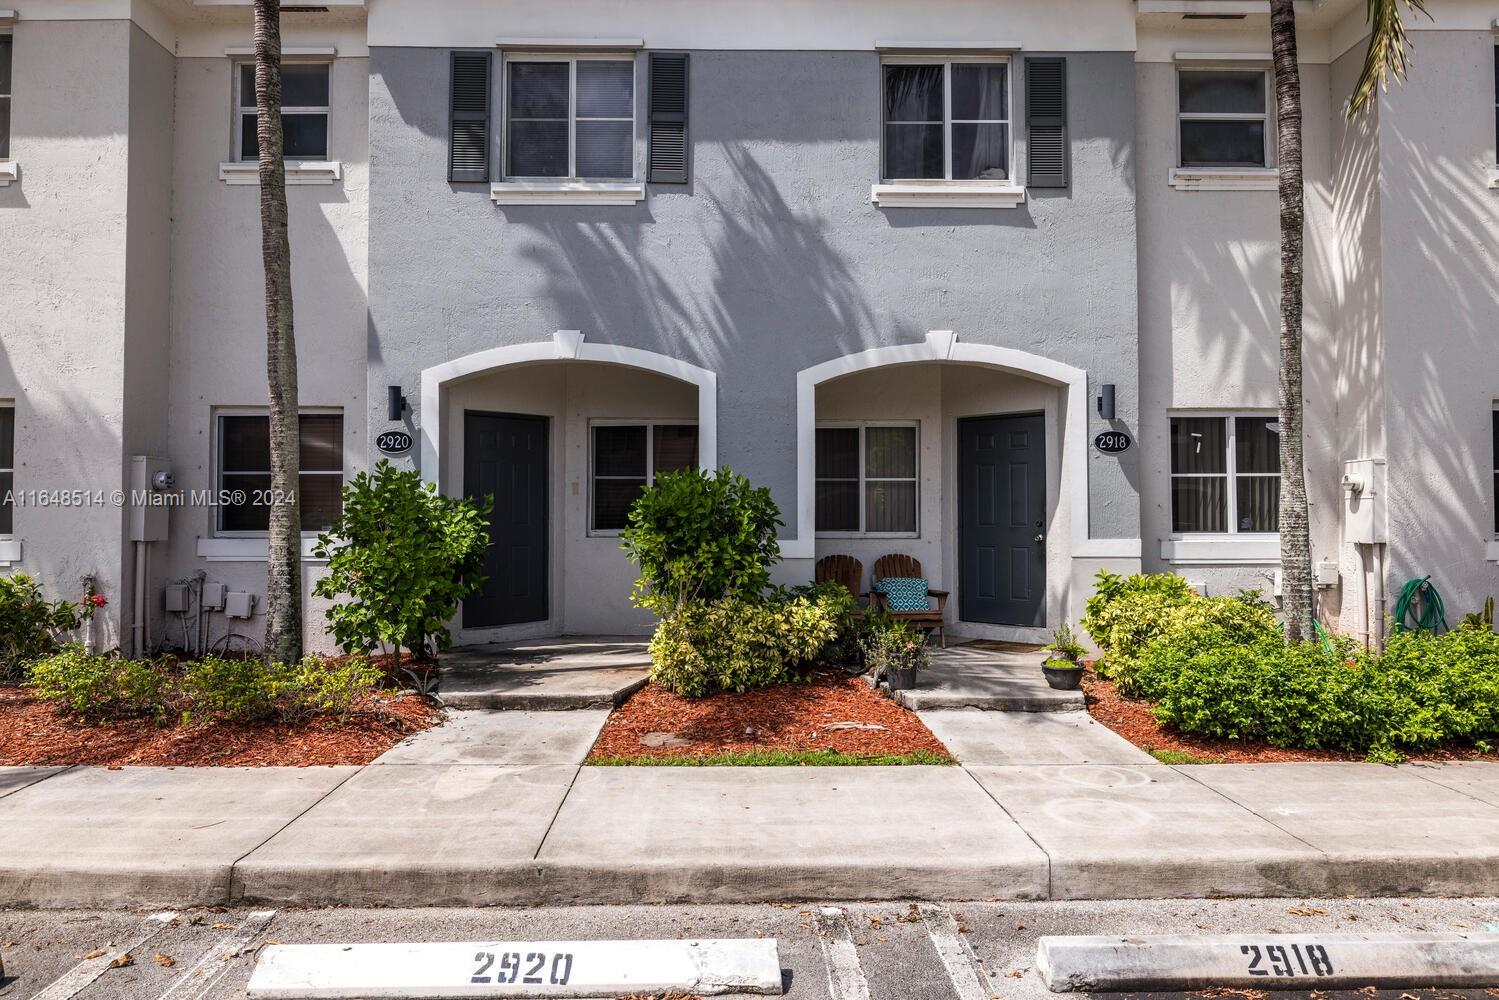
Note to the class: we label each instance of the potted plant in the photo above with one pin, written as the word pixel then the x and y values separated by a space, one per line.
pixel 1064 666
pixel 896 652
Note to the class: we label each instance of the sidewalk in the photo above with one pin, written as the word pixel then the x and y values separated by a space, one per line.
pixel 494 809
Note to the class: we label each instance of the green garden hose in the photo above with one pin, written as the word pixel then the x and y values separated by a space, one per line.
pixel 1432 614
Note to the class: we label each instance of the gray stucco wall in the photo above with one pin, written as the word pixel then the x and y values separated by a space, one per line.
pixel 771 260
pixel 63 285
pixel 1440 284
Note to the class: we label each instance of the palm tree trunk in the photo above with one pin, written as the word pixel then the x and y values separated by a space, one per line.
pixel 283 583
pixel 1295 539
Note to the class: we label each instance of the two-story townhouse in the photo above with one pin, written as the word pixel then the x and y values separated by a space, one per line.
pixel 903 265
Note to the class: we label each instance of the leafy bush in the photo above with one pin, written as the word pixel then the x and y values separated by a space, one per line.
pixel 407 555
pixel 735 644
pixel 1423 691
pixel 235 690
pixel 31 626
pixel 698 538
pixel 100 686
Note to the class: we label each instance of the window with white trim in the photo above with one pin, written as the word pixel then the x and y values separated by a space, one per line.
pixel 7 46
pixel 243 471
pixel 1223 117
pixel 866 479
pixel 1496 470
pixel 570 117
pixel 946 119
pixel 626 456
pixel 1496 92
pixel 7 468
pixel 304 111
pixel 1225 474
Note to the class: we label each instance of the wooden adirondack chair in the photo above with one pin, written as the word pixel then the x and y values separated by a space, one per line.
pixel 841 569
pixel 933 619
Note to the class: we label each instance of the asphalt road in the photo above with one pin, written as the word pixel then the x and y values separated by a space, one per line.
pixel 897 954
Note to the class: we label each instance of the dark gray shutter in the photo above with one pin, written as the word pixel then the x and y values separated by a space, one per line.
pixel 1047 153
pixel 668 153
pixel 468 117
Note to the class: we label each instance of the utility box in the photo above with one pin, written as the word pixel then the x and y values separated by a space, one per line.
pixel 239 604
pixel 151 497
pixel 213 596
pixel 1365 508
pixel 176 597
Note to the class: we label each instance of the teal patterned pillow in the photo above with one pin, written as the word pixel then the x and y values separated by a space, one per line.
pixel 904 593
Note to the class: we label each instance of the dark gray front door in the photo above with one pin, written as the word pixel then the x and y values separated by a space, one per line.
pixel 1002 520
pixel 506 455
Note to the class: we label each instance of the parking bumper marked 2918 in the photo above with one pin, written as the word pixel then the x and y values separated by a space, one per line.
pixel 1267 961
pixel 845 975
pixel 198 981
pixel 962 965
pixel 76 979
pixel 517 969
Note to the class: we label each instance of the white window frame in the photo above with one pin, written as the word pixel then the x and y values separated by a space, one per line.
pixel 864 480
pixel 650 459
pixel 219 472
pixel 1267 116
pixel 1230 475
pixel 240 110
pixel 947 62
pixel 8 172
pixel 572 59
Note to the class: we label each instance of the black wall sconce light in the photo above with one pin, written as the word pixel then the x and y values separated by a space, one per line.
pixel 395 402
pixel 1106 401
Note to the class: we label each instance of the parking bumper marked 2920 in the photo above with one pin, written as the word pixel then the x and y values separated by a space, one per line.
pixel 76 979
pixel 199 980
pixel 962 965
pixel 845 975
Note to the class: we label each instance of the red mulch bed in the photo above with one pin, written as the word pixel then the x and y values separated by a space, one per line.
pixel 36 732
pixel 789 717
pixel 1132 718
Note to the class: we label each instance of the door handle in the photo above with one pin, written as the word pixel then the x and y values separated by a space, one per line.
pixel 1040 537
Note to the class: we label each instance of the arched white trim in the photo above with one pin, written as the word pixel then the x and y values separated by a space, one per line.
pixel 565 345
pixel 942 345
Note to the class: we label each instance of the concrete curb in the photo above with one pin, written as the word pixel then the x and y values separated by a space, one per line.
pixel 521 702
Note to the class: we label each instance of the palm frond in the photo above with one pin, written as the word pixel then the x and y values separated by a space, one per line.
pixel 1388 46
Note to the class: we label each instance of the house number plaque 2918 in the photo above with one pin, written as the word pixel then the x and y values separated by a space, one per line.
pixel 1112 442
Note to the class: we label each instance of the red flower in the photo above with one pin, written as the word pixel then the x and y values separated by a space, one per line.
pixel 97 600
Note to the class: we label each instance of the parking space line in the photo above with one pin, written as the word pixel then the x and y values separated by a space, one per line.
pixel 214 964
pixel 845 975
pixel 76 979
pixel 963 968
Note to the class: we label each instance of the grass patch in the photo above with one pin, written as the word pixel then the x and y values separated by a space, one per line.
pixel 778 758
pixel 1182 757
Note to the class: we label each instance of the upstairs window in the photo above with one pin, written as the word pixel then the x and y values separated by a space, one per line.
pixel 628 456
pixel 570 117
pixel 6 46
pixel 1225 474
pixel 866 479
pixel 1496 471
pixel 946 120
pixel 304 112
pixel 7 468
pixel 1496 92
pixel 1223 117
pixel 244 472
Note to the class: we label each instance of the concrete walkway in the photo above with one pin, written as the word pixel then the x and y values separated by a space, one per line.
pixel 460 819
pixel 563 673
pixel 1000 677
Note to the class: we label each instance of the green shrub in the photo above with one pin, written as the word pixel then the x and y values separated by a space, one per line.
pixel 334 687
pixel 698 537
pixel 30 625
pixel 407 555
pixel 735 644
pixel 239 690
pixel 894 645
pixel 99 686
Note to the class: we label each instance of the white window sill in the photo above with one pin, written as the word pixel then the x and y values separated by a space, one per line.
pixel 10 171
pixel 1200 550
pixel 1492 553
pixel 947 194
pixel 297 172
pixel 1225 178
pixel 246 549
pixel 1493 177
pixel 10 551
pixel 567 192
